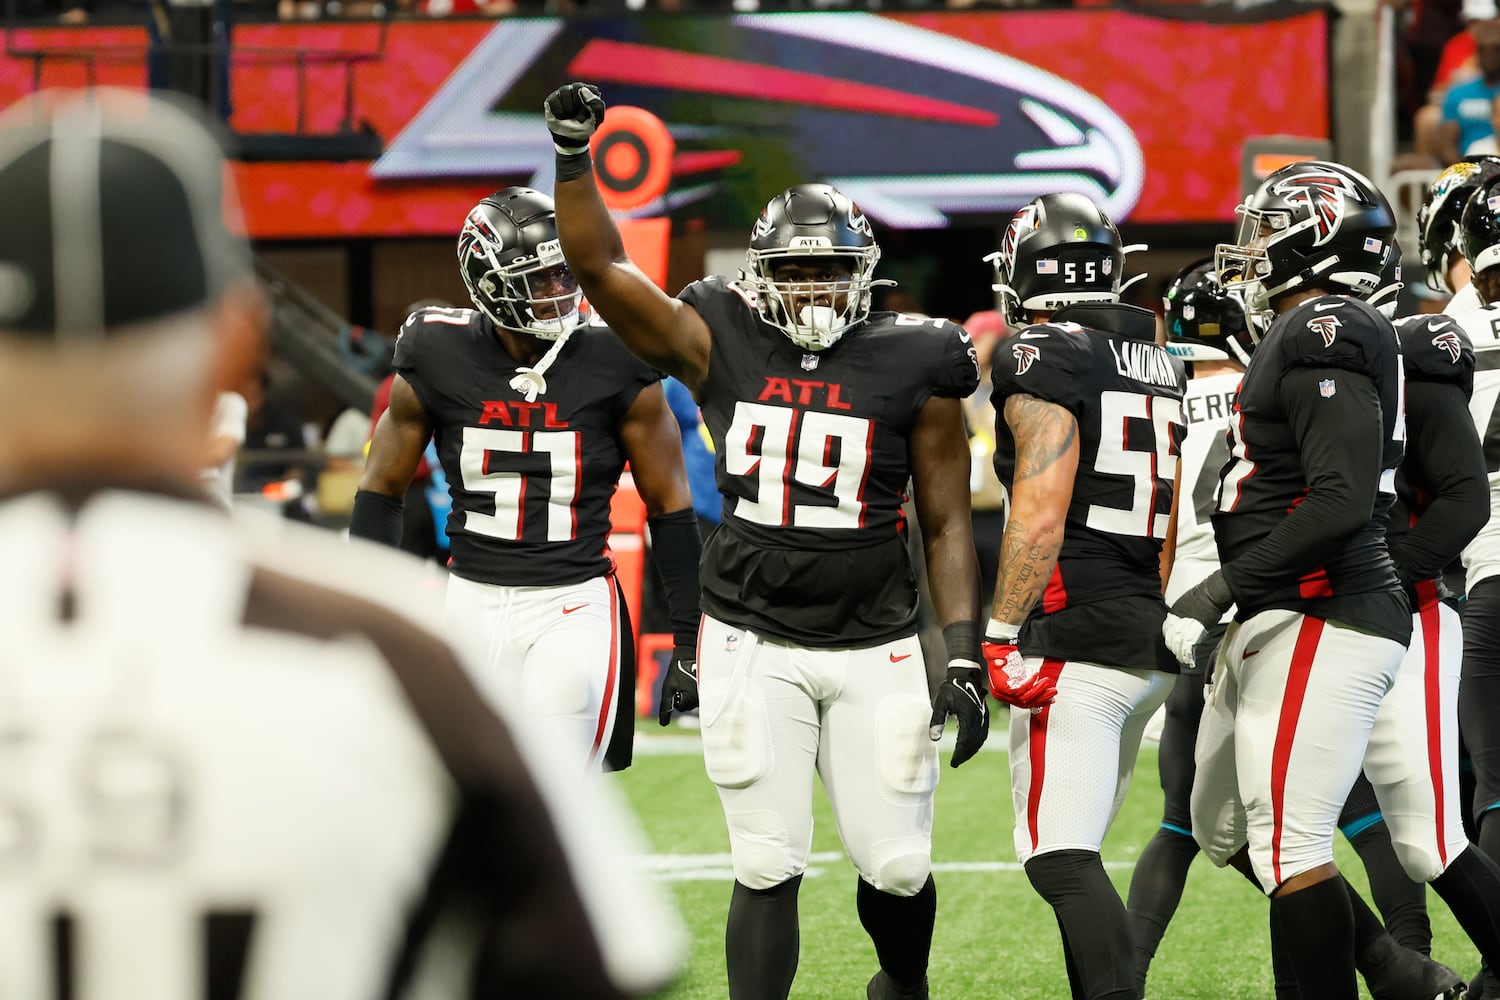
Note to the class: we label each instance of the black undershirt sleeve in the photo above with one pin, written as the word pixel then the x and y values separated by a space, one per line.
pixel 676 547
pixel 1446 461
pixel 1340 439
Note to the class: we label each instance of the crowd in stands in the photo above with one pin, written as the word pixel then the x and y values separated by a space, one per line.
pixel 1449 74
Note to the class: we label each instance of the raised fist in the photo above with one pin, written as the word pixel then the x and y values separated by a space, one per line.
pixel 574 112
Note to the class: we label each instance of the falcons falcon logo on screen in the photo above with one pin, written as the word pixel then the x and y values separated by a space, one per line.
pixel 1325 193
pixel 1025 355
pixel 1449 344
pixel 1326 327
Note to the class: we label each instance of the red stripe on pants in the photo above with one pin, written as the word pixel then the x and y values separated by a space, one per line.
pixel 1286 729
pixel 610 679
pixel 1432 694
pixel 1037 740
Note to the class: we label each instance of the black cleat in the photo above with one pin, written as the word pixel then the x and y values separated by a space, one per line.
pixel 882 987
pixel 1410 975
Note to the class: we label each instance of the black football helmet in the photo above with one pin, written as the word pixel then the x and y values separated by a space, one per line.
pixel 1203 321
pixel 1309 223
pixel 1058 249
pixel 1439 218
pixel 812 221
pixel 513 266
pixel 1479 226
pixel 1385 295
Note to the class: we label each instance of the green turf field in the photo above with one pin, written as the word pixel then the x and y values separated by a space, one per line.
pixel 995 937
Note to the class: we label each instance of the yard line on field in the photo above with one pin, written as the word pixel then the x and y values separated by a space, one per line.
pixel 719 868
pixel 691 745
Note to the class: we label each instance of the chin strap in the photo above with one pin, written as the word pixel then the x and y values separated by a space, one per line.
pixel 532 382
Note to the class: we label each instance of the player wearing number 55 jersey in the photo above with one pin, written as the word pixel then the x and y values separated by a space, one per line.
pixel 820 412
pixel 1321 622
pixel 1088 420
pixel 535 414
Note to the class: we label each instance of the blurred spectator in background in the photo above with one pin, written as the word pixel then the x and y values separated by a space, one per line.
pixel 987 495
pixel 1466 108
pixel 226 434
pixel 1425 29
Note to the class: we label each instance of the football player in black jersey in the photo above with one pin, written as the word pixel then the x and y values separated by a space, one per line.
pixel 821 413
pixel 1321 621
pixel 1087 429
pixel 1479 691
pixel 535 413
pixel 1210 329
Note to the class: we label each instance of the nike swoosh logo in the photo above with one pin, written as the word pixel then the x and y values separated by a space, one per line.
pixel 1033 336
pixel 898 659
pixel 1249 654
pixel 1434 325
pixel 963 338
pixel 1321 306
pixel 576 607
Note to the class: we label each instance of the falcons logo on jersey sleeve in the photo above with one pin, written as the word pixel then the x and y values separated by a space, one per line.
pixel 1025 355
pixel 1325 194
pixel 1326 327
pixel 1449 344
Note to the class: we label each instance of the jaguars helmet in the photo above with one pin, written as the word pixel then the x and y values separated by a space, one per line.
pixel 1203 321
pixel 1312 223
pixel 1059 249
pixel 512 264
pixel 1439 218
pixel 1479 227
pixel 812 223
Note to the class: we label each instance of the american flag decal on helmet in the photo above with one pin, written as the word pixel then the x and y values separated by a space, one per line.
pixel 1324 192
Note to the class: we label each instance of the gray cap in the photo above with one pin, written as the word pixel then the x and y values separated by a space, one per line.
pixel 115 210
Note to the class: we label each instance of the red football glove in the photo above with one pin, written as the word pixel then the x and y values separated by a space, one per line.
pixel 1011 681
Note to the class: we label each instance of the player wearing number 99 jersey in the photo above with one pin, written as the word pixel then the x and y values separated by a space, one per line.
pixel 821 412
pixel 1087 429
pixel 535 415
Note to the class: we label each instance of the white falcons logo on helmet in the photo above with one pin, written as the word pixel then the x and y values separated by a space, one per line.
pixel 1326 327
pixel 1324 193
pixel 1026 355
pixel 1024 222
pixel 858 223
pixel 763 227
pixel 1449 344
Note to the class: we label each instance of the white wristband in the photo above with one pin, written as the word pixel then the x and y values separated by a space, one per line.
pixel 1002 632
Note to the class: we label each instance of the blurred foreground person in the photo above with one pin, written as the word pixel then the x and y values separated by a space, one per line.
pixel 237 760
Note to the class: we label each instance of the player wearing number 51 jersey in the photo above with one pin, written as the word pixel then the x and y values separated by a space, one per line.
pixel 535 415
pixel 820 412
pixel 1087 429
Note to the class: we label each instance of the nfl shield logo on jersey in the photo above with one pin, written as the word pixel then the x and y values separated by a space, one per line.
pixel 731 643
pixel 809 362
pixel 1326 388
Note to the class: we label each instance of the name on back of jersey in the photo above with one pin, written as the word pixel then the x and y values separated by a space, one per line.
pixel 1144 363
pixel 1216 407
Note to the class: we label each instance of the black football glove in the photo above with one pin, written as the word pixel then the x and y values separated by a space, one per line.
pixel 573 111
pixel 1192 614
pixel 962 694
pixel 679 686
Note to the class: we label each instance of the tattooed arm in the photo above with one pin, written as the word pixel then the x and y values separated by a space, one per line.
pixel 1046 437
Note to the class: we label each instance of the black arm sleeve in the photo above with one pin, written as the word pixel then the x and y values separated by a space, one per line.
pixel 1446 461
pixel 675 547
pixel 377 517
pixel 1340 439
